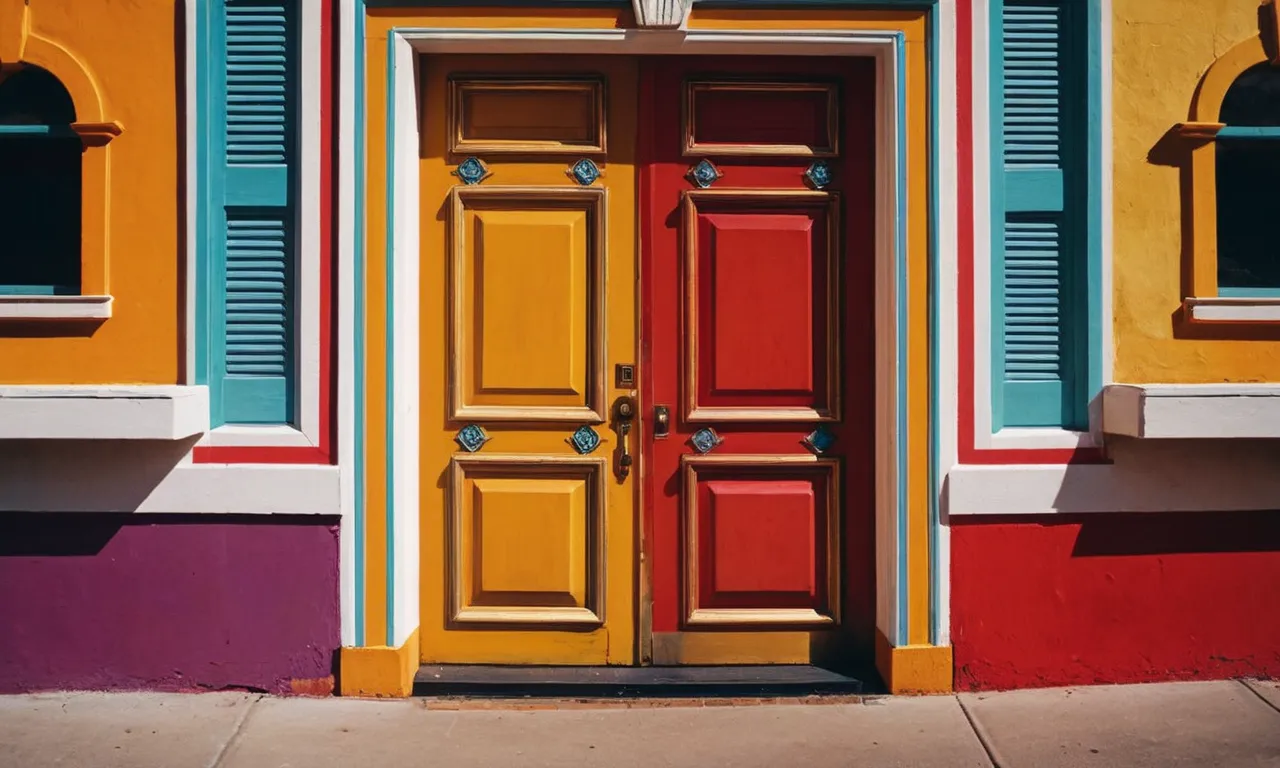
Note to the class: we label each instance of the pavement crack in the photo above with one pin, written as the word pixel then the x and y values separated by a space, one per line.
pixel 235 732
pixel 983 737
pixel 1253 689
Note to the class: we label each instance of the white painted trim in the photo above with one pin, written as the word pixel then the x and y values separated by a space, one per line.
pixel 55 307
pixel 309 242
pixel 878 45
pixel 143 481
pixel 307 318
pixel 982 244
pixel 947 375
pixel 1161 476
pixel 406 258
pixel 191 170
pixel 102 412
pixel 1039 439
pixel 255 436
pixel 1234 310
pixel 1108 213
pixel 346 180
pixel 1192 410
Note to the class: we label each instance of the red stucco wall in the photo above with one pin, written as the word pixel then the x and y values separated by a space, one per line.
pixel 1115 599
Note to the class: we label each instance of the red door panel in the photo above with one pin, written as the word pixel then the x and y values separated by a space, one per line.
pixel 758 330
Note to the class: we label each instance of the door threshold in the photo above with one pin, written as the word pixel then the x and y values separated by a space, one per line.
pixel 736 681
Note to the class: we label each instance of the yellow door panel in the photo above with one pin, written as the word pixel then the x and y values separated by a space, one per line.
pixel 527 299
pixel 529 280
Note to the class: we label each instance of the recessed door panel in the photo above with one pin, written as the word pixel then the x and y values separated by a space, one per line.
pixel 758 224
pixel 761 538
pixel 528 303
pixel 761 292
pixel 528 540
pixel 528 296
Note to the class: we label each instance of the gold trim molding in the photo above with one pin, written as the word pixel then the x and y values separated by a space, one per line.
pixel 462 86
pixel 594 201
pixel 767 618
pixel 592 470
pixel 764 198
pixel 694 88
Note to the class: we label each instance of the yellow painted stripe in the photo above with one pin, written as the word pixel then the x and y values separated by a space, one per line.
pixel 375 351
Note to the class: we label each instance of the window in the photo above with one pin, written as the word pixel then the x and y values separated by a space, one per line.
pixel 40 186
pixel 1248 163
pixel 1045 256
pixel 248 222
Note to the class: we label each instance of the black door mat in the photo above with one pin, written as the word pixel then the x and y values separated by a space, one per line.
pixel 763 681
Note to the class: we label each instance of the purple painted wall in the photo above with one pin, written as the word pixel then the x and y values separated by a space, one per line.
pixel 167 602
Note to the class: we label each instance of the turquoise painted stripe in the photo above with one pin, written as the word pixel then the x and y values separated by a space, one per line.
pixel 935 329
pixel 388 159
pixel 1093 224
pixel 1235 292
pixel 49 131
pixel 900 248
pixel 1249 132
pixel 358 257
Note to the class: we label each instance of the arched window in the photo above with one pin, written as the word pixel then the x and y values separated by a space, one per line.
pixel 1248 165
pixel 40 186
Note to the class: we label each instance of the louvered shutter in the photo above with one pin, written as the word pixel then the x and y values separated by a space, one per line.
pixel 251 319
pixel 1033 271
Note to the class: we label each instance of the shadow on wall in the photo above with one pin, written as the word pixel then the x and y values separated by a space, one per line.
pixel 1171 476
pixel 85 475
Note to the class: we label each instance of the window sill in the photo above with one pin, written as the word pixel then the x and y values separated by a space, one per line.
pixel 1233 310
pixel 1192 411
pixel 55 307
pixel 103 412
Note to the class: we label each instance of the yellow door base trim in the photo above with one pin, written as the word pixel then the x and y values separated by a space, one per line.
pixel 914 668
pixel 381 671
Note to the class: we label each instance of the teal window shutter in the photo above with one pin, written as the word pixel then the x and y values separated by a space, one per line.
pixel 1038 249
pixel 251 222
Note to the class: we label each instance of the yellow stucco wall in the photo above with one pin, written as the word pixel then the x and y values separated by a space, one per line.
pixel 1161 50
pixel 130 53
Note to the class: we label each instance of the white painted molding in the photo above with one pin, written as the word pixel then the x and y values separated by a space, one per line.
pixel 103 412
pixel 155 477
pixel 661 14
pixel 55 307
pixel 1233 310
pixel 881 45
pixel 1040 439
pixel 256 436
pixel 306 432
pixel 1145 476
pixel 1192 410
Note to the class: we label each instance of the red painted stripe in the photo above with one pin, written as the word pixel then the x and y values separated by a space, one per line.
pixel 218 454
pixel 323 453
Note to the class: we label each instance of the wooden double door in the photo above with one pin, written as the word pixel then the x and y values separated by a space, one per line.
pixel 647 348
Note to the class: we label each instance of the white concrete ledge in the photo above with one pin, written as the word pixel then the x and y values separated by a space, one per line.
pixel 1144 476
pixel 1233 310
pixel 1192 410
pixel 55 307
pixel 156 477
pixel 103 412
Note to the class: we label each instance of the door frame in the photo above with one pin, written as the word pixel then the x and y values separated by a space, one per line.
pixel 889 49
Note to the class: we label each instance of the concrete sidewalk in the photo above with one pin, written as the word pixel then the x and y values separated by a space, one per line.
pixel 1193 724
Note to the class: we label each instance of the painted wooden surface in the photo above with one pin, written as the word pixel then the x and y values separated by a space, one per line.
pixel 135 85
pixel 528 545
pixel 758 296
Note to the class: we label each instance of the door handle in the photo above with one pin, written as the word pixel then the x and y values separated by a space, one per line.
pixel 624 411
